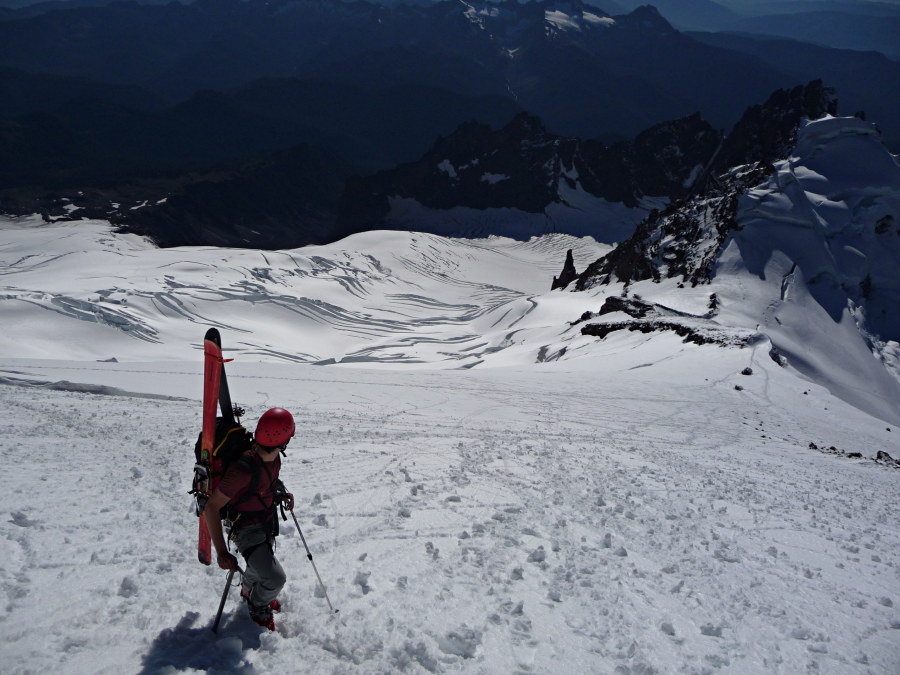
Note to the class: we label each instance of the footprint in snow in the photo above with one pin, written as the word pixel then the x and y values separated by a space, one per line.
pixel 362 580
pixel 711 630
pixel 20 519
pixel 128 588
pixel 432 551
pixel 538 555
pixel 462 642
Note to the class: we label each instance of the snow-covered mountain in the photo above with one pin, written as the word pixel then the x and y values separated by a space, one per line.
pixel 797 261
pixel 805 253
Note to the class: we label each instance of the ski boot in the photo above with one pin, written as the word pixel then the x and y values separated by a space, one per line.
pixel 262 616
pixel 275 605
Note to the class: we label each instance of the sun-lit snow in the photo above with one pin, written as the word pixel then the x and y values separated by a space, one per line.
pixel 378 296
pixel 630 511
pixel 566 20
pixel 606 21
pixel 561 20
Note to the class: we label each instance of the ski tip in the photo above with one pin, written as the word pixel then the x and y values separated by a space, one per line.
pixel 213 335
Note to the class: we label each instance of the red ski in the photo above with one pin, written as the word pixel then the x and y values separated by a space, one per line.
pixel 212 374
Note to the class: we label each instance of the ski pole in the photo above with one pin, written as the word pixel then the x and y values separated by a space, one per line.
pixel 309 556
pixel 228 579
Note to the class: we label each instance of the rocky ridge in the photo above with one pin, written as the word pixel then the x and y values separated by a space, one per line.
pixel 634 314
pixel 525 167
pixel 685 238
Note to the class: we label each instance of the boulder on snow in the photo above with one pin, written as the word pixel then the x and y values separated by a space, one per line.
pixel 882 456
pixel 630 306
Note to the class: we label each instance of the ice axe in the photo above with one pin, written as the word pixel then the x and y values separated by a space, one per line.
pixel 228 579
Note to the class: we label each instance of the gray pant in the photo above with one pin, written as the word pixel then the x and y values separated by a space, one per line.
pixel 263 577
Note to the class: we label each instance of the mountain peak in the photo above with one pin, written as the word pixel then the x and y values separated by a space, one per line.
pixel 766 132
pixel 646 17
pixel 526 124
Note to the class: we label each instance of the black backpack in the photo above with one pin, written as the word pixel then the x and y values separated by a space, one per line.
pixel 230 442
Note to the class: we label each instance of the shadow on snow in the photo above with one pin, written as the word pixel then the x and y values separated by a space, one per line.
pixel 187 646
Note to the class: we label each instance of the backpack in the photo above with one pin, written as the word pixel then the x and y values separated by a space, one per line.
pixel 230 442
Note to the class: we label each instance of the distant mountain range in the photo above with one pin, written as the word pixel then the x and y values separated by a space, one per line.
pixel 522 180
pixel 111 106
pixel 842 24
pixel 517 180
pixel 582 71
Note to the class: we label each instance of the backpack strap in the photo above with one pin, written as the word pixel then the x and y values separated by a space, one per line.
pixel 252 466
pixel 253 469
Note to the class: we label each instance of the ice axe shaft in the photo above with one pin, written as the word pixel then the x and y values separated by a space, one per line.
pixel 228 579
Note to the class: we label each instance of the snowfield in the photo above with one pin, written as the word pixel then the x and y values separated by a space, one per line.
pixel 484 489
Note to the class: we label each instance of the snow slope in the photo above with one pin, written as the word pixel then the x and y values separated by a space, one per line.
pixel 477 498
pixel 807 259
pixel 815 263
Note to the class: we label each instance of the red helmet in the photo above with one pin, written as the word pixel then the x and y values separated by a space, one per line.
pixel 275 428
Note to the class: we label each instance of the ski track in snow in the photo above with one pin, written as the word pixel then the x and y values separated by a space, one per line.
pixel 463 522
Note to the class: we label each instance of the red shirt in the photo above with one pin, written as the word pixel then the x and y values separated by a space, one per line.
pixel 237 479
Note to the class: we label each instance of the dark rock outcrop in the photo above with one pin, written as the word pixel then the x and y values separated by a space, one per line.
pixel 768 131
pixel 567 275
pixel 699 335
pixel 645 317
pixel 633 307
pixel 275 200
